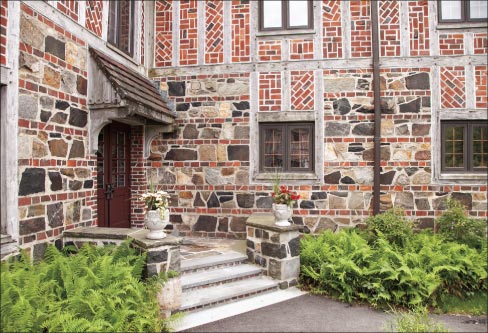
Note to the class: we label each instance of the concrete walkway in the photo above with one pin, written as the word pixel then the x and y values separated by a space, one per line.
pixel 311 313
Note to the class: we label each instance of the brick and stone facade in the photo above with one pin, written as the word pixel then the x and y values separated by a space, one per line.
pixel 223 77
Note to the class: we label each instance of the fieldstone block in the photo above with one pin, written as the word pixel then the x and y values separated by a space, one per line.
pixel 182 106
pixel 238 152
pixel 73 210
pixel 294 245
pixel 45 115
pixel 422 204
pixel 325 223
pixel 68 82
pixel 157 256
pixel 31 32
pixel 27 107
pixel 46 102
pixel 307 204
pixel 77 117
pixel 31 226
pixel 258 260
pixel 77 149
pixel 243 105
pixel 81 85
pixel 205 223
pixel 273 250
pixel 55 47
pixel 420 129
pixel 419 81
pixel 339 84
pixel 411 107
pixel 347 180
pixel 190 132
pixel 32 181
pixel 75 185
pixel 341 106
pixel 363 129
pixel 51 77
pixel 181 154
pixel 61 105
pixel 241 132
pixel 264 202
pixel 332 178
pixel 249 244
pixel 58 147
pixel 245 200
pixel 319 195
pixel 214 177
pixel 223 224
pixel 238 224
pixel 465 198
pixel 337 129
pixel 387 177
pixel 38 251
pixel 176 88
pixel 56 180
pixel 213 201
pixel 404 200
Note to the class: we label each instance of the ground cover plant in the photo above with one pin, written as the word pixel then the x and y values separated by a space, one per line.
pixel 390 265
pixel 94 290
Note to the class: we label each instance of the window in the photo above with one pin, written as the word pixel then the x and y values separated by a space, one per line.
pixel 286 147
pixel 121 25
pixel 452 11
pixel 285 15
pixel 464 146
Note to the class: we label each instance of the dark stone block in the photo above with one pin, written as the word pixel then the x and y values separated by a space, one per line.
pixel 223 224
pixel 337 129
pixel 347 180
pixel 419 81
pixel 75 185
pixel 38 252
pixel 77 117
pixel 181 154
pixel 176 88
pixel 31 226
pixel 362 84
pixel 298 220
pixel 273 250
pixel 32 181
pixel 465 198
pixel 213 201
pixel 363 129
pixel 61 105
pixel 244 105
pixel 250 244
pixel 258 260
pixel 333 178
pixel 226 198
pixel 386 106
pixel 175 261
pixel 307 204
pixel 88 184
pixel 238 152
pixel 198 202
pixel 55 47
pixel 238 223
pixel 59 118
pixel 81 85
pixel 411 171
pixel 56 181
pixel 250 255
pixel 245 200
pixel 422 204
pixel 205 223
pixel 150 270
pixel 294 245
pixel 319 195
pixel 426 223
pixel 45 115
pixel 77 149
pixel 155 257
pixel 58 243
pixel 420 129
pixel 411 107
pixel 439 203
pixel 182 106
pixel 387 177
pixel 342 106
pixel 355 147
pixel 264 202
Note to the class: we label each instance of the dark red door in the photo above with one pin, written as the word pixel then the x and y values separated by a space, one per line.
pixel 113 170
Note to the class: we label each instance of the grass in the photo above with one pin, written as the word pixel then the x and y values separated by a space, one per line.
pixel 416 320
pixel 475 305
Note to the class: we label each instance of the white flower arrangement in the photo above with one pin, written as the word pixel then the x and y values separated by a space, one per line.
pixel 156 200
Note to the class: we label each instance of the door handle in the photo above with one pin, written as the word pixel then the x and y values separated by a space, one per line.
pixel 109 190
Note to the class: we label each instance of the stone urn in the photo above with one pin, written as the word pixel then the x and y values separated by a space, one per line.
pixel 156 223
pixel 282 214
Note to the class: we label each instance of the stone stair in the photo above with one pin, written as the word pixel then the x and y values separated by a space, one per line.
pixel 220 278
pixel 8 247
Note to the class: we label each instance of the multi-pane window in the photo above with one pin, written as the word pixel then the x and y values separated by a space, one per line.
pixel 286 147
pixel 121 25
pixel 464 146
pixel 285 15
pixel 462 11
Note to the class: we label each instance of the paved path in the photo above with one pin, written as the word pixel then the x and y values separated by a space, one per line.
pixel 311 313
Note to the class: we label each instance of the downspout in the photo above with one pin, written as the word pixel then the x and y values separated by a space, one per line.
pixel 377 107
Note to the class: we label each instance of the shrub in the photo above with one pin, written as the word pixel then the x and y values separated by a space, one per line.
pixel 416 320
pixel 455 225
pixel 98 289
pixel 391 225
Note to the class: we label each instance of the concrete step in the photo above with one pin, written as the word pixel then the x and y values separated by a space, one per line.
pixel 206 297
pixel 229 258
pixel 218 276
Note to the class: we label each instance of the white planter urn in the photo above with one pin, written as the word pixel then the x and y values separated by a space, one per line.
pixel 156 224
pixel 282 214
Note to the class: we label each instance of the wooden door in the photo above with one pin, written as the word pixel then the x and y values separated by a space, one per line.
pixel 113 170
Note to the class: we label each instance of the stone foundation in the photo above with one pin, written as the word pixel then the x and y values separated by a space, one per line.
pixel 276 249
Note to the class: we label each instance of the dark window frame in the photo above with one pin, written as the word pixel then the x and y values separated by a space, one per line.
pixel 285 17
pixel 286 128
pixel 465 14
pixel 468 126
pixel 114 36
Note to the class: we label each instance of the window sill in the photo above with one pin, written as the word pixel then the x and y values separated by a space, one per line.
pixel 287 176
pixel 288 33
pixel 461 25
pixel 462 178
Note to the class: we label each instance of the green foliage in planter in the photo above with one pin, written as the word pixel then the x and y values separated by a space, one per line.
pixel 345 265
pixel 455 225
pixel 95 290
pixel 391 225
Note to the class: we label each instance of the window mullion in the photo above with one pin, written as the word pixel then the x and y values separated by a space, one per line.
pixel 284 15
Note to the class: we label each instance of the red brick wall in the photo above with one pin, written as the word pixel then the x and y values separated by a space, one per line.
pixel 163 46
pixel 188 33
pixel 360 29
pixel 302 90
pixel 453 94
pixel 138 177
pixel 241 34
pixel 3 31
pixel 418 20
pixel 68 8
pixel 269 50
pixel 301 49
pixel 451 44
pixel 93 15
pixel 480 73
pixel 214 38
pixel 270 91
pixel 332 33
pixel 389 26
pixel 480 43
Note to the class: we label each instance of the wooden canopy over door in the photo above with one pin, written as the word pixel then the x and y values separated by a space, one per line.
pixel 113 171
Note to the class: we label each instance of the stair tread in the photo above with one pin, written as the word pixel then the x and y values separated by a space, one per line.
pixel 200 297
pixel 212 260
pixel 218 275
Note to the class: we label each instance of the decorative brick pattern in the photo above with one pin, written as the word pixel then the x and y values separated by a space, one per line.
pixel 453 94
pixel 302 90
pixel 481 73
pixel 389 26
pixel 214 34
pixel 301 49
pixel 241 34
pixel 332 40
pixel 360 29
pixel 270 91
pixel 93 13
pixel 163 47
pixel 269 50
pixel 3 31
pixel 143 24
pixel 68 8
pixel 138 183
pixel 480 43
pixel 188 33
pixel 418 20
pixel 451 44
